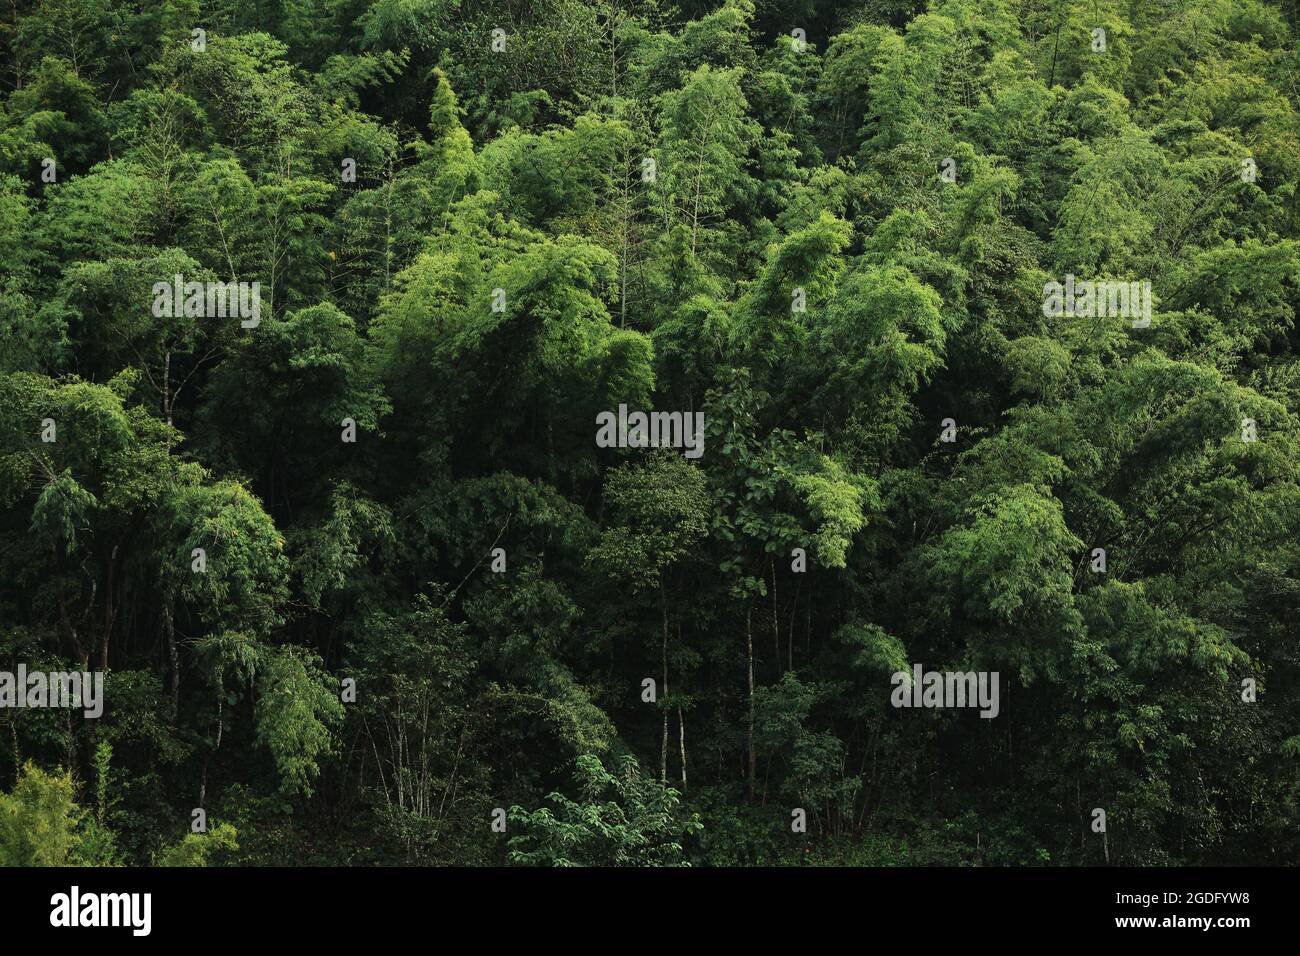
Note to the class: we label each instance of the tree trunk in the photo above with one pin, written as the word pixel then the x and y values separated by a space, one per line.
pixel 776 628
pixel 622 267
pixel 167 386
pixel 681 740
pixel 110 611
pixel 749 733
pixel 174 658
pixel 794 609
pixel 663 691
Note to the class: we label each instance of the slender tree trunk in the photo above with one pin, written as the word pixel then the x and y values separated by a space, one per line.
pixel 174 659
pixel 699 183
pixel 79 651
pixel 681 741
pixel 749 732
pixel 388 230
pixel 776 628
pixel 622 269
pixel 663 707
pixel 110 610
pixel 1078 805
pixel 794 609
pixel 1055 46
pixel 613 59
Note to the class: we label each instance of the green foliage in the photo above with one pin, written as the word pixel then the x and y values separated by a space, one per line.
pixel 42 825
pixel 297 706
pixel 352 652
pixel 619 818
pixel 38 820
pixel 200 849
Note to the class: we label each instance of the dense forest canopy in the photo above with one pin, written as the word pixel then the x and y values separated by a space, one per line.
pixel 334 333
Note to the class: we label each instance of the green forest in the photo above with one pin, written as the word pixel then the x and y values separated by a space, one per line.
pixel 575 432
